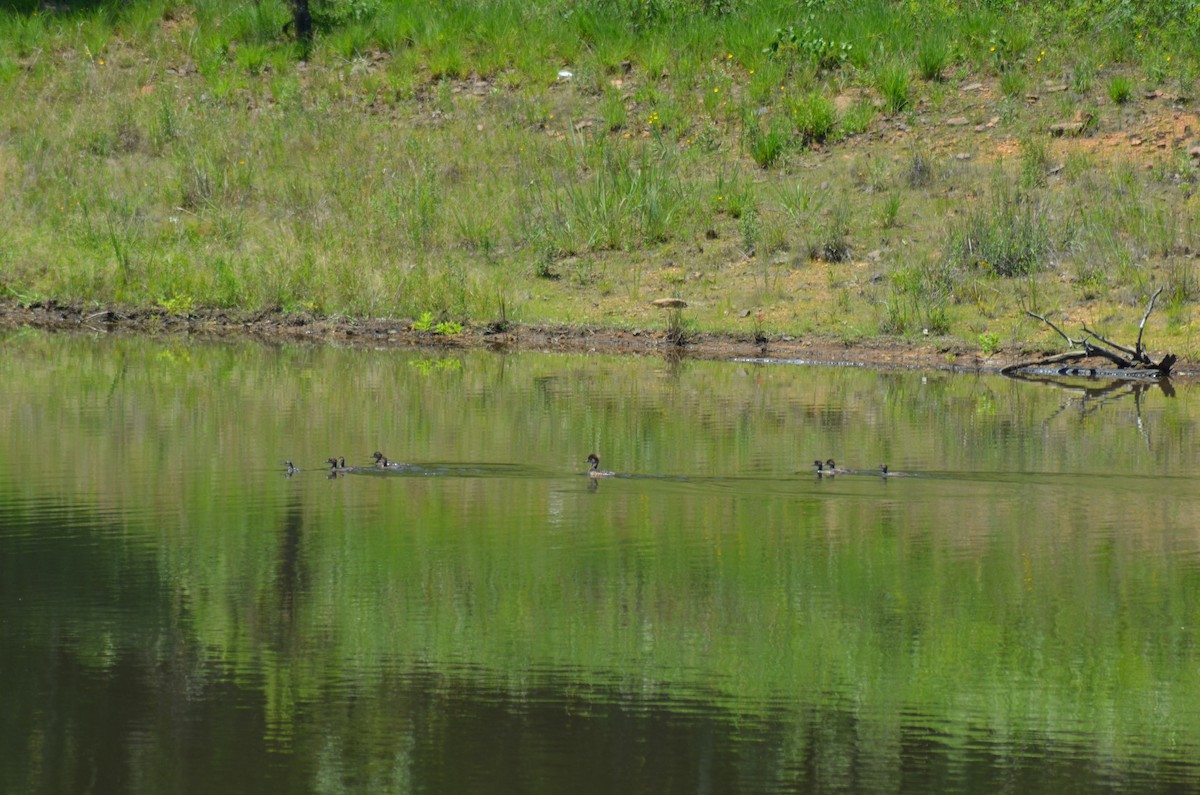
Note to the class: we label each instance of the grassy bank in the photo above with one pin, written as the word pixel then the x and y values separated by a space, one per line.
pixel 833 169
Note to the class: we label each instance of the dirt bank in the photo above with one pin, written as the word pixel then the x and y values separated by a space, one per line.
pixel 278 327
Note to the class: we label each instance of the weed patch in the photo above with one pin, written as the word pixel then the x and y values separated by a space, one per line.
pixel 1008 236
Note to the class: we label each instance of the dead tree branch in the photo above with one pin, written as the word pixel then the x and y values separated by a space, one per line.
pixel 1134 360
pixel 1142 326
pixel 1061 333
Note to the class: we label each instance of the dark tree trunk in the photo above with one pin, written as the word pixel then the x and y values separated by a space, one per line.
pixel 302 19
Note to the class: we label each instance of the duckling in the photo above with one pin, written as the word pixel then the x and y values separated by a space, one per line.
pixel 833 469
pixel 594 470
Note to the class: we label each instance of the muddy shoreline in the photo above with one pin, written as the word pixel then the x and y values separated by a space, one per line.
pixel 275 327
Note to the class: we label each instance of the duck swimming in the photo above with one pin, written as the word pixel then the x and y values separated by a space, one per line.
pixel 338 464
pixel 291 468
pixel 382 462
pixel 833 469
pixel 884 472
pixel 820 465
pixel 594 471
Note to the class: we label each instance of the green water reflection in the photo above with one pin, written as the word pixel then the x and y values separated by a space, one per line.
pixel 179 615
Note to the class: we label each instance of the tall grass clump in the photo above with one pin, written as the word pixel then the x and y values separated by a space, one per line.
pixel 766 146
pixel 1120 89
pixel 920 171
pixel 831 240
pixel 1013 83
pixel 932 58
pixel 814 117
pixel 628 199
pixel 1035 162
pixel 892 82
pixel 1008 236
pixel 917 297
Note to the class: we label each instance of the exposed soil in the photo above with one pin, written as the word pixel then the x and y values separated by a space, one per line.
pixel 277 327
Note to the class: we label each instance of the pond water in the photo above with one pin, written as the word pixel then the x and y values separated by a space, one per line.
pixel 179 615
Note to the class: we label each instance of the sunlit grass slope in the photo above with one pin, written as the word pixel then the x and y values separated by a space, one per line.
pixel 849 169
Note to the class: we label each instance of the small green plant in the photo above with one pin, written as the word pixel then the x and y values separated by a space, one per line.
pixel 989 343
pixel 177 305
pixel 1120 89
pixel 803 43
pixel 23 299
pixel 424 324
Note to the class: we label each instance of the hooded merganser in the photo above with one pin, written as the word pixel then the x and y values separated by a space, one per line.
pixel 820 465
pixel 833 469
pixel 382 462
pixel 595 471
pixel 884 472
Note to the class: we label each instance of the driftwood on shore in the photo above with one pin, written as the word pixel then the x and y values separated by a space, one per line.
pixel 1118 361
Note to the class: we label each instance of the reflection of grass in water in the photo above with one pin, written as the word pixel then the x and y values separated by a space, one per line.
pixel 939 607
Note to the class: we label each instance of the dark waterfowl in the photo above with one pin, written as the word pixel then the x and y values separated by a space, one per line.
pixel 885 472
pixel 382 462
pixel 291 468
pixel 594 470
pixel 833 469
pixel 338 464
pixel 820 465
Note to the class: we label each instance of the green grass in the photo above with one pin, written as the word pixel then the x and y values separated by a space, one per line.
pixel 1120 89
pixel 893 83
pixel 426 158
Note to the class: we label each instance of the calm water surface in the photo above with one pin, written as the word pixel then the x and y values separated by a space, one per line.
pixel 177 615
